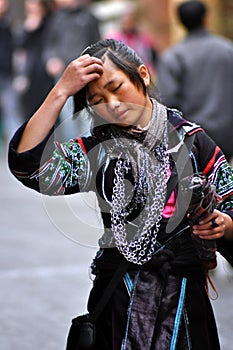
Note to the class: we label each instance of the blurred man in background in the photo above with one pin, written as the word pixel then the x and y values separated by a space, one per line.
pixel 32 82
pixel 196 76
pixel 72 28
pixel 9 107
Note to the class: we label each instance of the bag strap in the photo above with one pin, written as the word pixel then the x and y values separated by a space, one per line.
pixel 180 164
pixel 121 270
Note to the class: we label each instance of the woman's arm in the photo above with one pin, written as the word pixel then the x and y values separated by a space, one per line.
pixel 228 232
pixel 214 165
pixel 77 74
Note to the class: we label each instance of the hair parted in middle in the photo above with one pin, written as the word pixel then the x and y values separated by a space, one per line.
pixel 125 58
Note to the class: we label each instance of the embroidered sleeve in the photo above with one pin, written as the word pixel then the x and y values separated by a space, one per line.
pixel 220 173
pixel 66 172
pixel 212 162
pixel 222 178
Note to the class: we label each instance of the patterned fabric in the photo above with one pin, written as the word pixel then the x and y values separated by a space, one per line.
pixel 68 167
pixel 73 166
pixel 221 175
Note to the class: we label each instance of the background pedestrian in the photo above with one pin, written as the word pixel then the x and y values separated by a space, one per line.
pixel 9 106
pixel 72 28
pixel 196 76
pixel 32 80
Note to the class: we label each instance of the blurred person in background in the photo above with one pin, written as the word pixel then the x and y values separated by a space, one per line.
pixel 73 27
pixel 196 76
pixel 132 33
pixel 9 108
pixel 33 82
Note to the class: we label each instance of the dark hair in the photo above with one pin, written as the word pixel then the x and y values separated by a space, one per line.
pixel 122 56
pixel 192 13
pixel 48 5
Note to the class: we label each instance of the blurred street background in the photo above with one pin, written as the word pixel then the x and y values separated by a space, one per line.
pixel 158 16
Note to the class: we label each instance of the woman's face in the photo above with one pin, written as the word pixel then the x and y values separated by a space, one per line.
pixel 34 7
pixel 117 100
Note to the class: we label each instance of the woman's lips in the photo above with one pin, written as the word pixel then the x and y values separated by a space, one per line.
pixel 121 115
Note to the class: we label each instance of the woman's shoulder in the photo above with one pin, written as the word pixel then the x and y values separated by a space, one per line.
pixel 177 121
pixel 206 151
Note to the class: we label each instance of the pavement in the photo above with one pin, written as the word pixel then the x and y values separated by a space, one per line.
pixel 46 249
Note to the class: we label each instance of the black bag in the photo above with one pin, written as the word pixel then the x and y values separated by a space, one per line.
pixel 82 334
pixel 203 201
pixel 204 197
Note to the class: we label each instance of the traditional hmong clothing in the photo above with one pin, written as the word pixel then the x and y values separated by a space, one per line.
pixel 161 303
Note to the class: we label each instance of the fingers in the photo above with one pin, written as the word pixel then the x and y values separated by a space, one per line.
pixel 79 73
pixel 212 227
pixel 88 65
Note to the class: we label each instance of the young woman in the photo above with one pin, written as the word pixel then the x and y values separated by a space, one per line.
pixel 136 146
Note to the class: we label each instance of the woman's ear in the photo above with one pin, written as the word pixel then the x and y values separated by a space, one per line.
pixel 144 73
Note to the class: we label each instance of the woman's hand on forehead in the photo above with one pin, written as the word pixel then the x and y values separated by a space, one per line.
pixel 79 73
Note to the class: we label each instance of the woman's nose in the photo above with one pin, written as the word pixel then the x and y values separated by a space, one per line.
pixel 113 103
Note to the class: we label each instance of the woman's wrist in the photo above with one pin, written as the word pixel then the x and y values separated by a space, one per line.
pixel 228 234
pixel 59 95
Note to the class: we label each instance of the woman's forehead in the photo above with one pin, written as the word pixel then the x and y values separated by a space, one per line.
pixel 111 74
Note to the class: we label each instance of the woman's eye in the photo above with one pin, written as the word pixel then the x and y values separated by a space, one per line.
pixel 116 88
pixel 97 102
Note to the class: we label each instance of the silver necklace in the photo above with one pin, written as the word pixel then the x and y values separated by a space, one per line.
pixel 152 168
